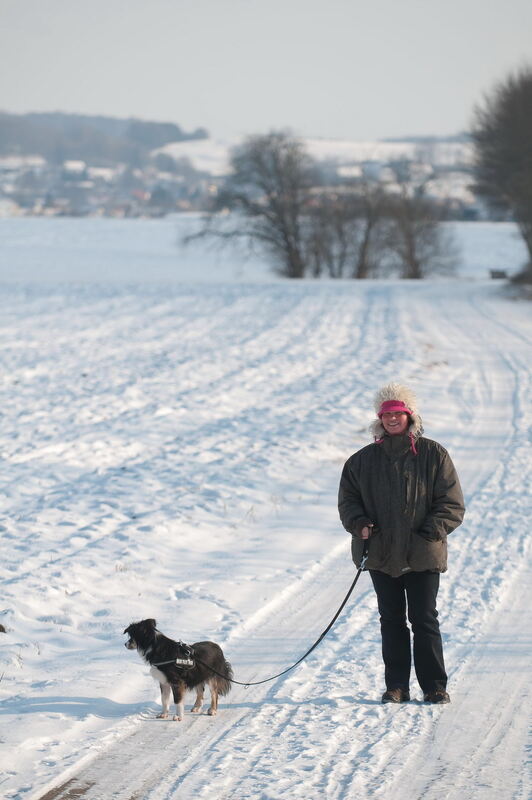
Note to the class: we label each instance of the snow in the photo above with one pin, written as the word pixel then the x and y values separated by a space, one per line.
pixel 172 448
pixel 103 250
pixel 206 155
pixel 440 153
pixel 212 155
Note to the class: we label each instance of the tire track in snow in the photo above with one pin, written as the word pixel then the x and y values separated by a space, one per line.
pixel 235 753
pixel 84 483
pixel 377 317
pixel 335 597
pixel 412 726
pixel 516 466
pixel 478 745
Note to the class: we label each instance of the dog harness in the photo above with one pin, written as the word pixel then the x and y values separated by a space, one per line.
pixel 183 663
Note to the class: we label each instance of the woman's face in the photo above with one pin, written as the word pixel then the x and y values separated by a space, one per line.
pixel 395 422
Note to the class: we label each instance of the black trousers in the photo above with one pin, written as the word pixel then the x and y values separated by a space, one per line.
pixel 418 591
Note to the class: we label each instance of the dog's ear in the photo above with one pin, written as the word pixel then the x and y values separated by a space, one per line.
pixel 152 623
pixel 126 630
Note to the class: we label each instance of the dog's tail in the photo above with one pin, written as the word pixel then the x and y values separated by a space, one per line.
pixel 223 685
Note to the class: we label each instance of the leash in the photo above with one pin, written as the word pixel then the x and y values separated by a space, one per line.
pixel 316 643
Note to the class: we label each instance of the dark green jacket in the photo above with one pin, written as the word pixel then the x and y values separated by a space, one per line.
pixel 413 500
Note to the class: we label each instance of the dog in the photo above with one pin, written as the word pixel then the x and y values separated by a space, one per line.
pixel 178 667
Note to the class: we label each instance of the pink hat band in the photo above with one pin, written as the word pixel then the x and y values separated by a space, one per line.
pixel 391 406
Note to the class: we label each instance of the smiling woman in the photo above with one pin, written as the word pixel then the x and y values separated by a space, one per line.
pixel 403 494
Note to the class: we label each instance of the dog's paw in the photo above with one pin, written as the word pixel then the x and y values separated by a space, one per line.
pixel 195 710
pixel 162 715
pixel 211 712
pixel 176 718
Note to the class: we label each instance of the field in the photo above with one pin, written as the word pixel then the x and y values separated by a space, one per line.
pixel 172 449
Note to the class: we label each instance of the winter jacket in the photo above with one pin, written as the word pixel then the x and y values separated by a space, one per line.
pixel 413 500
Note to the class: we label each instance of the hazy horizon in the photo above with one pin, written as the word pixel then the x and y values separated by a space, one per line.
pixel 339 69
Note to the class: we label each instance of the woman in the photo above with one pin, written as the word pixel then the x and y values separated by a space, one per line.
pixel 403 494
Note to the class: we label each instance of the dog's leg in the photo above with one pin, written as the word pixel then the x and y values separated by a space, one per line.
pixel 200 691
pixel 214 698
pixel 166 693
pixel 179 692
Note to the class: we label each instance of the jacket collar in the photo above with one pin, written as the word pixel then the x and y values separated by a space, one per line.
pixel 395 446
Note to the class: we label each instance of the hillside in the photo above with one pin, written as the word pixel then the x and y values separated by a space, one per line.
pixel 96 140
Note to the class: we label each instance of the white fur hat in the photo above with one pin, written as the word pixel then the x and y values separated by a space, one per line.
pixel 396 391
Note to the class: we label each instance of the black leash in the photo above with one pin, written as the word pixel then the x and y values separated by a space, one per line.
pixel 316 643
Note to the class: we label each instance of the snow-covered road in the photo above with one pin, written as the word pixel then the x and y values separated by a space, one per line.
pixel 175 452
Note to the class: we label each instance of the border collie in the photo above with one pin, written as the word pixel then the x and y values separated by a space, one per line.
pixel 178 667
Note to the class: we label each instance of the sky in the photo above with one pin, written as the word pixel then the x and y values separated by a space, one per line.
pixel 342 69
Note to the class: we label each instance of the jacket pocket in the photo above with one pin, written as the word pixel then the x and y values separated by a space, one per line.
pixel 425 554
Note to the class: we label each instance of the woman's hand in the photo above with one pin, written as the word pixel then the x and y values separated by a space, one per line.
pixel 363 528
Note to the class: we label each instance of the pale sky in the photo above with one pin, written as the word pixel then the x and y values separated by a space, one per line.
pixel 323 68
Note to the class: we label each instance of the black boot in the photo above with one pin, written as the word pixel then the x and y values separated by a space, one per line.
pixel 395 696
pixel 438 696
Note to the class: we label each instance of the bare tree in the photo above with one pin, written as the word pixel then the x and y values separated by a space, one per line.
pixel 373 222
pixel 330 234
pixel 269 191
pixel 416 237
pixel 346 231
pixel 502 135
pixel 279 202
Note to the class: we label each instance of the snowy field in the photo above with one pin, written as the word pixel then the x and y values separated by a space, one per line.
pixel 213 155
pixel 172 448
pixel 150 251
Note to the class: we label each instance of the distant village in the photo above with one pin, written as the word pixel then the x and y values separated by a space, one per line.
pixel 156 170
pixel 30 185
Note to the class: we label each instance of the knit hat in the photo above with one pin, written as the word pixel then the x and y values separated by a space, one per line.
pixel 396 397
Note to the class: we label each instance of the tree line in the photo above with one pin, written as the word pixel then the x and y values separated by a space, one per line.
pixel 502 135
pixel 284 203
pixel 310 226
